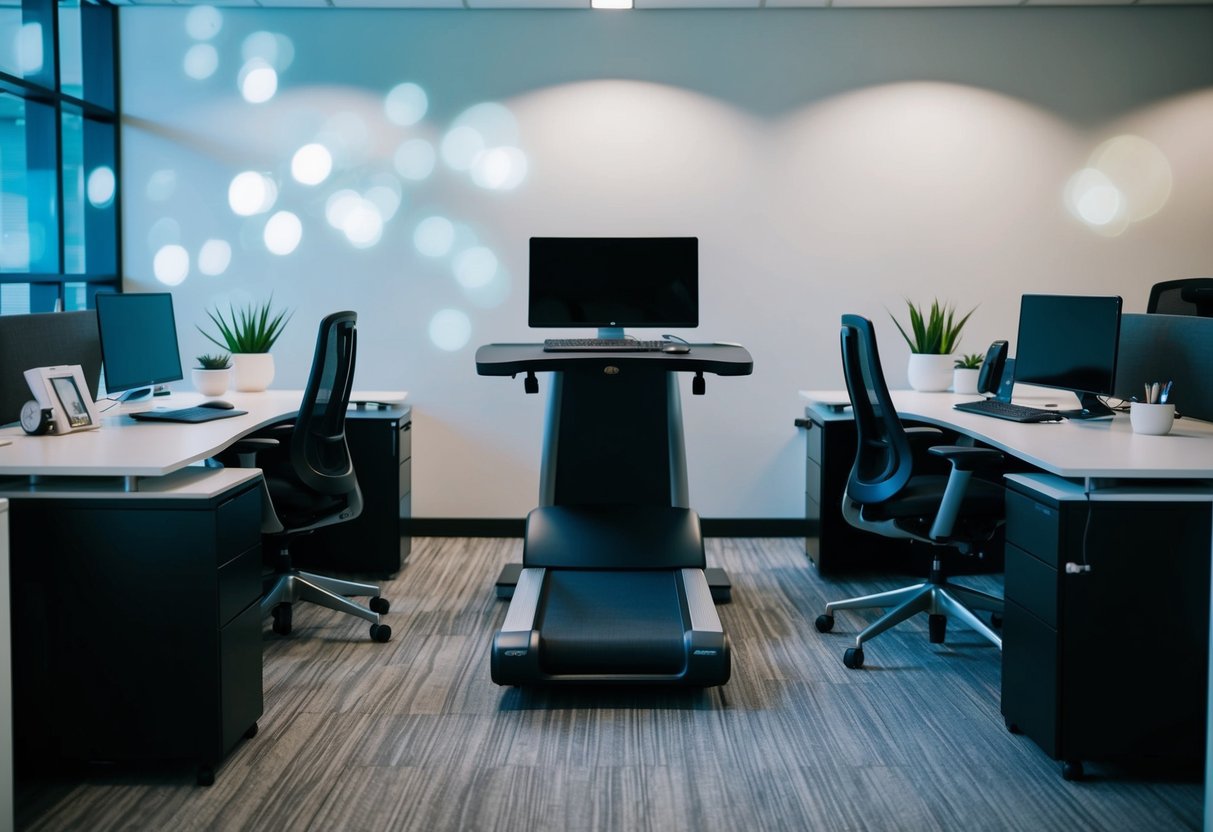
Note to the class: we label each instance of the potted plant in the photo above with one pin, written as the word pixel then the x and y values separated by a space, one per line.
pixel 933 336
pixel 965 372
pixel 248 334
pixel 213 374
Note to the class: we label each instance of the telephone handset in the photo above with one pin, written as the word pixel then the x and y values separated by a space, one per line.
pixel 62 402
pixel 990 379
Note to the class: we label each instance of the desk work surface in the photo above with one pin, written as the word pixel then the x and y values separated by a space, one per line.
pixel 1106 448
pixel 509 359
pixel 124 447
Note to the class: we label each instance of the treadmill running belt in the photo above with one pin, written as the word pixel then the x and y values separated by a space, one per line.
pixel 612 622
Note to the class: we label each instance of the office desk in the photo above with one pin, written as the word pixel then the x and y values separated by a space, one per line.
pixel 6 678
pixel 1110 662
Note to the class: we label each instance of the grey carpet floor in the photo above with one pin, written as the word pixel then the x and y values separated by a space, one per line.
pixel 414 735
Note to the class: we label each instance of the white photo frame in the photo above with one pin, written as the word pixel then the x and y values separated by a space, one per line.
pixel 64 391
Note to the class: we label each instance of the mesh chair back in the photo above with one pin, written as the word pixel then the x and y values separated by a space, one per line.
pixel 1190 296
pixel 883 462
pixel 319 452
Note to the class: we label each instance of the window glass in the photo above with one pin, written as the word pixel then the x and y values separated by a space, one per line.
pixel 14 187
pixel 14 298
pixel 73 192
pixel 71 58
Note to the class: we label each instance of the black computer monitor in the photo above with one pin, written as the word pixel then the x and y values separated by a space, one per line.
pixel 614 282
pixel 1070 342
pixel 138 341
pixel 44 339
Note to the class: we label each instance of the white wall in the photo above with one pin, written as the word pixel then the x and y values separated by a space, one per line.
pixel 829 161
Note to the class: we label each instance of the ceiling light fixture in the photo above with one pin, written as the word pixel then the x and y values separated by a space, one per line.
pixel 610 4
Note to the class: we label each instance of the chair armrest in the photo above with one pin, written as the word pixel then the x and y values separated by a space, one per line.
pixel 967 459
pixel 251 445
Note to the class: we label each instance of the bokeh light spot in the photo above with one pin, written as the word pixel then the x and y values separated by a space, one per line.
pixel 258 81
pixel 414 159
pixel 161 185
pixel 450 329
pixel 499 169
pixel 311 164
pixel 405 104
pixel 340 205
pixel 475 267
pixel 214 257
pixel 203 22
pixel 461 146
pixel 1139 170
pixel 283 231
pixel 101 186
pixel 434 236
pixel 201 61
pixel 251 193
pixel 171 265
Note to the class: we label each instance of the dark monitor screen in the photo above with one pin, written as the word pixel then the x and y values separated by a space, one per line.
pixel 138 340
pixel 1069 342
pixel 47 339
pixel 614 281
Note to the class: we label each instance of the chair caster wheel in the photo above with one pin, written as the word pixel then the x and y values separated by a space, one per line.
pixel 1012 727
pixel 853 658
pixel 937 624
pixel 282 619
pixel 1071 770
pixel 251 731
pixel 380 605
pixel 380 633
pixel 995 621
pixel 825 623
pixel 205 776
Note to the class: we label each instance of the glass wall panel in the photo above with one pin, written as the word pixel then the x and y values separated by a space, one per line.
pixel 14 187
pixel 71 58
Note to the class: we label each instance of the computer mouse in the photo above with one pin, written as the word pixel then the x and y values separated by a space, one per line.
pixel 218 404
pixel 676 348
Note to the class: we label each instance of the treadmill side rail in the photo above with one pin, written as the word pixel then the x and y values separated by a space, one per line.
pixel 515 655
pixel 708 660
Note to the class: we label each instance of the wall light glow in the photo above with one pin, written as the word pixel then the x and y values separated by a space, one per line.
pixel 251 193
pixel 171 265
pixel 101 186
pixel 450 329
pixel 258 81
pixel 414 159
pixel 203 22
pixel 214 257
pixel 283 231
pixel 434 236
pixel 1127 179
pixel 201 61
pixel 311 164
pixel 405 104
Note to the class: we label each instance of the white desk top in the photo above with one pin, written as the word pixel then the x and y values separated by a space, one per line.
pixel 1101 449
pixel 126 448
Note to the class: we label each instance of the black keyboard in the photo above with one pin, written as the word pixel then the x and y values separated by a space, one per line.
pixel 601 345
pixel 186 414
pixel 1010 412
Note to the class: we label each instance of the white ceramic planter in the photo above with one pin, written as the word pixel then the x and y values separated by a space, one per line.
pixel 253 371
pixel 965 381
pixel 930 373
pixel 211 382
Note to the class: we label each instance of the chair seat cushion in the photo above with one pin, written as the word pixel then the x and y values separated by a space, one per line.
pixel 298 506
pixel 921 497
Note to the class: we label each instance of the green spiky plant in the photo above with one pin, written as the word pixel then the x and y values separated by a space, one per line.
pixel 254 328
pixel 222 361
pixel 935 331
pixel 970 361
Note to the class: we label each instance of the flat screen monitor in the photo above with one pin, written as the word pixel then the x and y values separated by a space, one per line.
pixel 138 341
pixel 614 282
pixel 45 339
pixel 1070 342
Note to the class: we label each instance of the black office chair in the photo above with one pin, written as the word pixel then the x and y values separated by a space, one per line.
pixel 884 496
pixel 1190 296
pixel 311 483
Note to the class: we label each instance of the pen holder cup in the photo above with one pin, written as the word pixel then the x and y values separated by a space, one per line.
pixel 1151 419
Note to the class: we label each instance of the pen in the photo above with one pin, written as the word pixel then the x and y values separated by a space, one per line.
pixel 1166 391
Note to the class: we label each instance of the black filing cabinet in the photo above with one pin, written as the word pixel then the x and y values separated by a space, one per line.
pixel 1110 662
pixel 381 445
pixel 136 627
pixel 838 547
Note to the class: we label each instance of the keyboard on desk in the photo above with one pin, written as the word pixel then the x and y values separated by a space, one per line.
pixel 601 345
pixel 185 414
pixel 1010 412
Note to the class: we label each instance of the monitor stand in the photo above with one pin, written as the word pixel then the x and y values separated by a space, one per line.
pixel 135 394
pixel 1090 408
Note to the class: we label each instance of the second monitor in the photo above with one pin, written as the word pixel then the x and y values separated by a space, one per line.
pixel 1070 342
pixel 138 342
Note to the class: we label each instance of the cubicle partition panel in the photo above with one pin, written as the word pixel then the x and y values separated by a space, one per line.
pixel 45 340
pixel 1176 348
